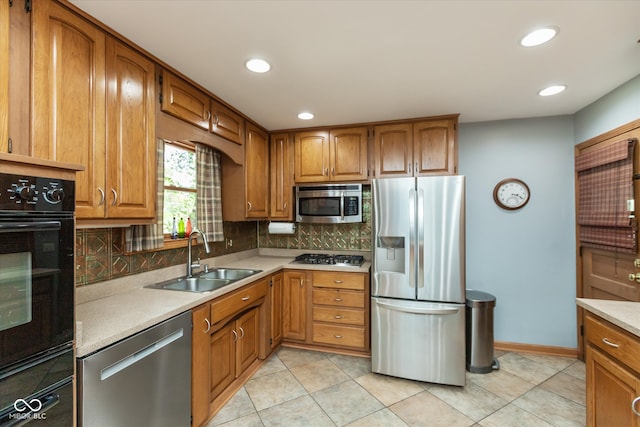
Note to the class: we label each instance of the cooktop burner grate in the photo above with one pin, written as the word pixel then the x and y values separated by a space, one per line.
pixel 326 259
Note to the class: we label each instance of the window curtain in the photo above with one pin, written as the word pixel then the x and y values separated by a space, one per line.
pixel 605 184
pixel 150 236
pixel 209 184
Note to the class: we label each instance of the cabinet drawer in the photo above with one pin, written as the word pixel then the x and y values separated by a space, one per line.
pixel 237 301
pixel 622 345
pixel 338 298
pixel 345 336
pixel 338 315
pixel 334 279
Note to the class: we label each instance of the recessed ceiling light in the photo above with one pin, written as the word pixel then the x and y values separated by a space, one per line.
pixel 539 36
pixel 305 116
pixel 258 65
pixel 552 90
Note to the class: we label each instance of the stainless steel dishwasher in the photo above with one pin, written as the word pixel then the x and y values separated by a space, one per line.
pixel 143 380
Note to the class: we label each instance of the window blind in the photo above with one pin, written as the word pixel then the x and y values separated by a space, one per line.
pixel 605 184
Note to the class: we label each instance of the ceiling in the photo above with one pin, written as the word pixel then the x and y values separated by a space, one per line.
pixel 356 61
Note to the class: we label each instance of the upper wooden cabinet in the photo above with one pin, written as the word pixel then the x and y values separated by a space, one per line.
pixel 4 76
pixel 416 149
pixel 186 102
pixel 334 155
pixel 281 176
pixel 256 172
pixel 93 106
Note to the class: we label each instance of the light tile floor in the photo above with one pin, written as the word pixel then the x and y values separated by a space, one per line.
pixel 309 388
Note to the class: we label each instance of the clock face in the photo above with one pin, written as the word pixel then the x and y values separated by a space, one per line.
pixel 511 194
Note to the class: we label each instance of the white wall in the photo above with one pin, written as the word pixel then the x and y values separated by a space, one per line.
pixel 526 258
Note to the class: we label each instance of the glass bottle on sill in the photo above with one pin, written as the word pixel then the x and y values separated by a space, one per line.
pixel 174 229
pixel 188 228
pixel 181 229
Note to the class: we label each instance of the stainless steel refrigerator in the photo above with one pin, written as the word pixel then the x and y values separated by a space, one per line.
pixel 418 280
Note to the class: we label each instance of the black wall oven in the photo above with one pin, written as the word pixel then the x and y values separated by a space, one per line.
pixel 36 300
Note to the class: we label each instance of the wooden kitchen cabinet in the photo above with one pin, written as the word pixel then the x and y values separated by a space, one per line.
pixel 281 177
pixel 184 101
pixel 200 363
pixel 421 148
pixel 294 303
pixel 275 329
pixel 93 103
pixel 331 155
pixel 613 374
pixel 227 123
pixel 340 307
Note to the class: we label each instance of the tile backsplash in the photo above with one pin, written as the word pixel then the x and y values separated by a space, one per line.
pixel 100 252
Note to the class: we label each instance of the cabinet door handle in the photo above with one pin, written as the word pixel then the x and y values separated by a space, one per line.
pixel 333 171
pixel 301 284
pixel 242 333
pixel 216 119
pixel 633 406
pixel 245 298
pixel 326 171
pixel 235 335
pixel 206 321
pixel 115 197
pixel 102 196
pixel 609 343
pixel 285 206
pixel 249 205
pixel 208 116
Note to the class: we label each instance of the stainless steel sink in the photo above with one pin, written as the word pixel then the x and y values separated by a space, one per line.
pixel 206 282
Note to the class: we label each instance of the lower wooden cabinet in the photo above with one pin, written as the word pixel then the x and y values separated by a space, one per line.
pixel 294 305
pixel 226 342
pixel 613 374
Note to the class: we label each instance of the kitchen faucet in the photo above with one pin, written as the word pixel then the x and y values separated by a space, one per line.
pixel 192 265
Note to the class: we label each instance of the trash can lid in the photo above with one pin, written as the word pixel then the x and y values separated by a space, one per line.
pixel 479 299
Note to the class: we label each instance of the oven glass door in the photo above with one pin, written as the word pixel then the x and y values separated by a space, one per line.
pixel 36 285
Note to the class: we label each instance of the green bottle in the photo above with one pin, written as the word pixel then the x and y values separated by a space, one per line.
pixel 181 233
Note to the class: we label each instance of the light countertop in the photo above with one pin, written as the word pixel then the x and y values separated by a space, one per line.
pixel 625 314
pixel 110 311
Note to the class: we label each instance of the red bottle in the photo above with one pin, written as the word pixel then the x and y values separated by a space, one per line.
pixel 187 231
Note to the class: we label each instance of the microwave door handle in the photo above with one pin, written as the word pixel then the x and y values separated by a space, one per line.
pixel 342 206
pixel 19 227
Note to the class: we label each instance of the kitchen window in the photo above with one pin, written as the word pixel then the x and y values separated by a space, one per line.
pixel 180 190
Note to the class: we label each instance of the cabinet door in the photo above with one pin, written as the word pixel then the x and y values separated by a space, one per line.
pixel 248 341
pixel 131 145
pixel 348 154
pixel 200 339
pixel 69 99
pixel 294 304
pixel 182 100
pixel 226 123
pixel 312 156
pixel 434 148
pixel 4 76
pixel 222 367
pixel 256 169
pixel 611 388
pixel 275 328
pixel 393 150
pixel 281 170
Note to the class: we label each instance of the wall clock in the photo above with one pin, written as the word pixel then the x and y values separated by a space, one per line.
pixel 511 194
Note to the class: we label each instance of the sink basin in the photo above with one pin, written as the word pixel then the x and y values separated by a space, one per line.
pixel 206 282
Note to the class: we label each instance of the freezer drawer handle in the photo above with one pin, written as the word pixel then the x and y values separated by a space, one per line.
pixel 139 355
pixel 418 310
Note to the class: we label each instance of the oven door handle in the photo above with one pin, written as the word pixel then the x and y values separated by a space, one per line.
pixel 19 227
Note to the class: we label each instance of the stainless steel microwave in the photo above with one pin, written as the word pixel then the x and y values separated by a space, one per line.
pixel 329 203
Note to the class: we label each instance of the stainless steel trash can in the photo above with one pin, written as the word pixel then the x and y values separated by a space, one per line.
pixel 479 332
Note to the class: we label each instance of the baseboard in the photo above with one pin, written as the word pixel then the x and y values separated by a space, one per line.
pixel 536 349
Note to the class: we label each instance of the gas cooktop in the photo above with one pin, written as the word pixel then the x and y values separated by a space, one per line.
pixel 326 259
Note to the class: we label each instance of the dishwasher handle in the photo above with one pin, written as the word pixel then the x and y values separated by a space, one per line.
pixel 414 310
pixel 139 355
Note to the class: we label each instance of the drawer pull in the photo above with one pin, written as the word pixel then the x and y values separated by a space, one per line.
pixel 338 299
pixel 337 336
pixel 337 316
pixel 245 298
pixel 338 281
pixel 633 406
pixel 609 343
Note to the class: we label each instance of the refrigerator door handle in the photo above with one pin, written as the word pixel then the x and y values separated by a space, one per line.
pixel 420 238
pixel 433 311
pixel 412 238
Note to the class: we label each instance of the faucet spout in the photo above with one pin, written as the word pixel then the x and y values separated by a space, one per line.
pixel 190 264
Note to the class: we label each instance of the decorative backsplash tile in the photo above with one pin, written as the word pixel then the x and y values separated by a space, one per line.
pixel 100 252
